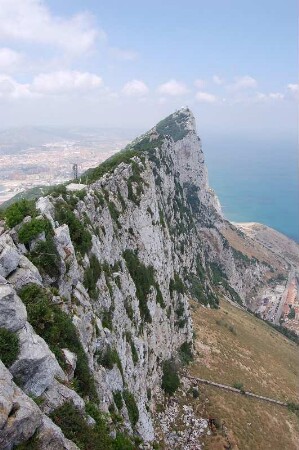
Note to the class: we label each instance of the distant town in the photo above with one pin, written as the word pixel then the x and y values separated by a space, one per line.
pixel 50 162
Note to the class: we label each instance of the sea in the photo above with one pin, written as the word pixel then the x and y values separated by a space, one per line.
pixel 256 179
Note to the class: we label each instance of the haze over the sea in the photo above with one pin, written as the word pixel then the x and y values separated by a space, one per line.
pixel 256 179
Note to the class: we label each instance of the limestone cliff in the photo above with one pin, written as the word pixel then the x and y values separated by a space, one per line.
pixel 119 258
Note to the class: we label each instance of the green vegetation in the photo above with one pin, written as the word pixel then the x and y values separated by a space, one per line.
pixel 219 278
pixel 74 426
pixel 108 358
pixel 177 285
pixel 58 330
pixel 185 353
pixel 137 179
pixel 32 229
pixel 118 399
pixel 108 166
pixel 174 127
pixel 290 334
pixel 293 407
pixel 91 276
pixel 134 353
pixel 131 407
pixel 9 347
pixel 80 236
pixel 238 385
pixel 192 197
pixel 143 278
pixel 170 378
pixel 16 212
pixel 292 313
pixel 46 257
pixel 159 297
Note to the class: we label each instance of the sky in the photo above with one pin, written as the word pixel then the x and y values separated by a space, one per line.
pixel 130 63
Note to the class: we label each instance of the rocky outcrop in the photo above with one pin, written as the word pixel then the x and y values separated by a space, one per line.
pixel 129 250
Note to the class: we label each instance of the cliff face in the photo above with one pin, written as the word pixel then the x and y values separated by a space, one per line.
pixel 120 258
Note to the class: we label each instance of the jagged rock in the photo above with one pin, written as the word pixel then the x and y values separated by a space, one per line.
pixel 13 314
pixel 36 366
pixel 169 218
pixel 9 260
pixel 50 437
pixel 26 273
pixel 19 415
pixel 56 394
pixel 70 359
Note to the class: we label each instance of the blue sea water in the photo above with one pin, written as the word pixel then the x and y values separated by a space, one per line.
pixel 256 179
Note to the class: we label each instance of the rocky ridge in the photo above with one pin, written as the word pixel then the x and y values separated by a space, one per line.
pixel 119 260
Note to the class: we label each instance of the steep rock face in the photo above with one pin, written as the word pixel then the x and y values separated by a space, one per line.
pixel 128 251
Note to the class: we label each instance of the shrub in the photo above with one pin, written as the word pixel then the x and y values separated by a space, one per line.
pixel 293 407
pixel 32 229
pixel 109 165
pixel 170 378
pixel 16 212
pixel 46 257
pixel 58 330
pixel 122 442
pixel 131 407
pixel 159 297
pixel 134 353
pixel 238 385
pixel 91 276
pixel 185 353
pixel 118 399
pixel 80 236
pixel 9 347
pixel 74 426
pixel 110 357
pixel 195 393
pixel 143 278
pixel 176 284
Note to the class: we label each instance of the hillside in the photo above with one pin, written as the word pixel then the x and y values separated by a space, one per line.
pixel 95 290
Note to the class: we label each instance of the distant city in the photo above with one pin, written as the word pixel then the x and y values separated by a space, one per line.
pixel 31 157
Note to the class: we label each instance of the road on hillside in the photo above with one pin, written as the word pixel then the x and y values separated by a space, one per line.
pixel 278 310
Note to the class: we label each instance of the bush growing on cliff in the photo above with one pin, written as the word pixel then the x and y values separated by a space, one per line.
pixel 80 236
pixel 91 276
pixel 9 347
pixel 170 378
pixel 32 229
pixel 16 212
pixel 74 426
pixel 58 330
pixel 185 353
pixel 131 407
pixel 143 278
pixel 46 257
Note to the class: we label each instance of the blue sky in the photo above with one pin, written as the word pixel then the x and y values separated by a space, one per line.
pixel 129 63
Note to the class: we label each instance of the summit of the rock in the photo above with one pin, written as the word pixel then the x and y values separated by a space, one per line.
pixel 177 125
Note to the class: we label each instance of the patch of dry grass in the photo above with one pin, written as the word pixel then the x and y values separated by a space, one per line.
pixel 234 346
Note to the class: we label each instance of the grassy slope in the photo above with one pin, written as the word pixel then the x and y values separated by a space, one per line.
pixel 234 346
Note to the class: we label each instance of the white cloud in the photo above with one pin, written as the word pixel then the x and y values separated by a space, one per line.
pixel 217 80
pixel 135 88
pixel 64 81
pixel 199 83
pixel 173 87
pixel 205 97
pixel 10 88
pixel 293 87
pixel 31 21
pixel 272 96
pixel 276 96
pixel 9 59
pixel 243 83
